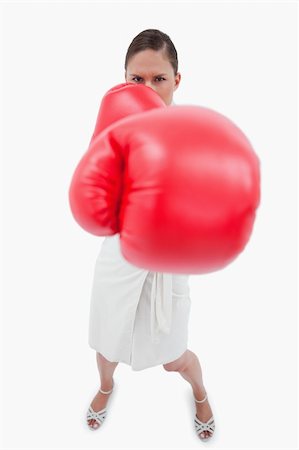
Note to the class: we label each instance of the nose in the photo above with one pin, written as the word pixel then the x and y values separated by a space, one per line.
pixel 148 83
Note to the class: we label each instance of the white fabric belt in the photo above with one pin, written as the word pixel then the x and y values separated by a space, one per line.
pixel 161 305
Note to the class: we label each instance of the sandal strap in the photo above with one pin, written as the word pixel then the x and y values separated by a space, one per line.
pixel 107 392
pixel 204 426
pixel 98 416
pixel 201 401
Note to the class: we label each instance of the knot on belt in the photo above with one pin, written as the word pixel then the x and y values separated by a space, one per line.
pixel 161 305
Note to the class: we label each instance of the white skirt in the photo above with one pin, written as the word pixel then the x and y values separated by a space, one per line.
pixel 137 316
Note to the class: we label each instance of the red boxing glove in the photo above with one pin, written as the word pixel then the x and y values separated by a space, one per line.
pixel 180 185
pixel 95 191
pixel 124 100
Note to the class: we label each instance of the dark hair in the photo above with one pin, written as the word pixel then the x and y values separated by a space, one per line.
pixel 155 40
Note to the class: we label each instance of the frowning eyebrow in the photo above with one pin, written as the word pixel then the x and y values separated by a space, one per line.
pixel 159 75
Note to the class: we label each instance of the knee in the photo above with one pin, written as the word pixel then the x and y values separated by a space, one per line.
pixel 180 364
pixel 104 362
pixel 169 366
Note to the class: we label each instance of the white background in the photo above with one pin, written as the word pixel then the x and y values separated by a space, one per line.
pixel 59 59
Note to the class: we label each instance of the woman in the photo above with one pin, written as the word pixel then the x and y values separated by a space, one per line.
pixel 130 319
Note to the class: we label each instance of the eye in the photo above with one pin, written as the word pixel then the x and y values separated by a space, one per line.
pixel 139 78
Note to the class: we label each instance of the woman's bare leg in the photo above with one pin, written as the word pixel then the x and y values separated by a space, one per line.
pixel 189 368
pixel 106 370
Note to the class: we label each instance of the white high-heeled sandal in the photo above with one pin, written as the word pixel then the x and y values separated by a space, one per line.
pixel 204 426
pixel 98 416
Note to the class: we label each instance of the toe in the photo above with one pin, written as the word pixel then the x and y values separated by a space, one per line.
pixel 204 434
pixel 91 423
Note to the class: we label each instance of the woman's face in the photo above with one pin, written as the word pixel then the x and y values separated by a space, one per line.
pixel 152 68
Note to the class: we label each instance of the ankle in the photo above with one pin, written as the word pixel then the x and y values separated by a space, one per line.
pixel 107 385
pixel 199 392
